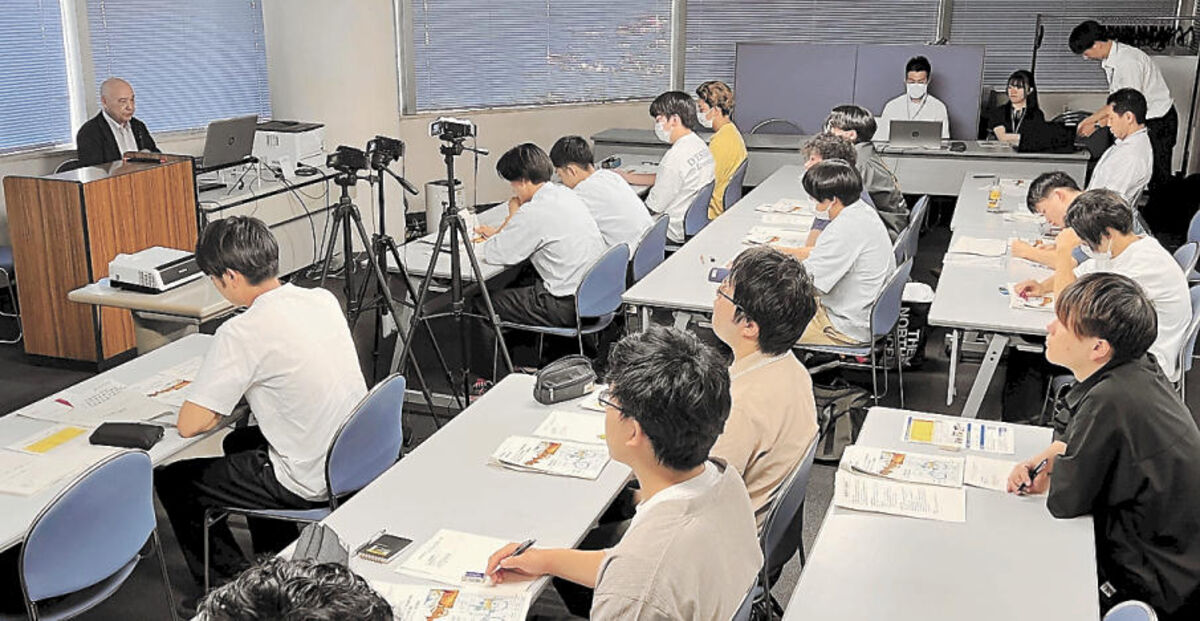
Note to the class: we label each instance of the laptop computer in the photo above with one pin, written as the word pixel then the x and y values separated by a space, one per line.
pixel 228 141
pixel 919 134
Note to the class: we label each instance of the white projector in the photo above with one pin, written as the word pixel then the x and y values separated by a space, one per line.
pixel 288 144
pixel 153 270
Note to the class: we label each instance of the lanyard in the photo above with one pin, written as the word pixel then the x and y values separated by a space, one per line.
pixel 760 364
pixel 1018 117
pixel 911 113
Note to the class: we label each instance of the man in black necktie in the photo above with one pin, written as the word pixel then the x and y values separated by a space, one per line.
pixel 113 132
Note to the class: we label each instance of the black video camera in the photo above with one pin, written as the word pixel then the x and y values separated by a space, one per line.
pixel 448 129
pixel 384 151
pixel 346 160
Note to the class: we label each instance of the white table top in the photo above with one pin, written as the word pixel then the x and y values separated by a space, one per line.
pixel 681 282
pixel 971 212
pixel 198 299
pixel 254 186
pixel 18 512
pixel 1009 560
pixel 446 482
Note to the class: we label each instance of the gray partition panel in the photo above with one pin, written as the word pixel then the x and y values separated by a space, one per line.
pixel 799 82
pixel 957 76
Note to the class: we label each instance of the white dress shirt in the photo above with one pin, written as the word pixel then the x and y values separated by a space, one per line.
pixel 123 133
pixel 905 109
pixel 290 354
pixel 850 263
pixel 684 170
pixel 616 208
pixel 1125 167
pixel 1129 67
pixel 1148 264
pixel 555 232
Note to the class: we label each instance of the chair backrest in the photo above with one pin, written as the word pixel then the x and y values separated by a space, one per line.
pixel 92 529
pixel 777 126
pixel 1186 255
pixel 652 248
pixel 1193 233
pixel 370 440
pixel 901 245
pixel 886 310
pixel 916 220
pixel 1131 610
pixel 1193 330
pixel 781 532
pixel 733 191
pixel 600 290
pixel 68 166
pixel 696 217
pixel 745 611
pixel 866 198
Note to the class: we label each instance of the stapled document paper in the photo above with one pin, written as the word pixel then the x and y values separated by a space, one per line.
pixel 420 603
pixel 988 473
pixel 568 459
pixel 951 434
pixel 906 467
pixel 930 502
pixel 979 246
pixel 584 427
pixel 457 558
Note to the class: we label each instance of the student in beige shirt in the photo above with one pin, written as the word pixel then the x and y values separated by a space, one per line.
pixel 760 312
pixel 691 552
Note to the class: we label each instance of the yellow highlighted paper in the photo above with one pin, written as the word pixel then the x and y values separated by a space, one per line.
pixel 57 438
pixel 921 430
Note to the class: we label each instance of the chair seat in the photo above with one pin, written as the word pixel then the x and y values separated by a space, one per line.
pixel 590 326
pixel 81 601
pixel 299 515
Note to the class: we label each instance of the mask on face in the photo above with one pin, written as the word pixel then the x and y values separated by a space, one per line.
pixel 916 90
pixel 704 120
pixel 661 132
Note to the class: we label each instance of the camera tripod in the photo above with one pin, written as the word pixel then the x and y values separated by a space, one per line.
pixel 453 224
pixel 347 220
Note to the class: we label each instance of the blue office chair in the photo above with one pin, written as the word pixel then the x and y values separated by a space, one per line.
pixel 733 191
pixel 1186 255
pixel 8 274
pixel 651 249
pixel 900 246
pixel 1193 233
pixel 885 319
pixel 596 300
pixel 696 217
pixel 905 247
pixel 88 540
pixel 366 445
pixel 1189 341
pixel 1131 610
pixel 745 611
pixel 781 536
pixel 918 214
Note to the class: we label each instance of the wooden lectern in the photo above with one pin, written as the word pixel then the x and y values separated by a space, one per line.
pixel 66 227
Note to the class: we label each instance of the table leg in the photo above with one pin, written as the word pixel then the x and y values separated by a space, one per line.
pixel 645 318
pixel 953 367
pixel 987 369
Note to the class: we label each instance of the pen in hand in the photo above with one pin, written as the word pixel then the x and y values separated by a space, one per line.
pixel 1033 473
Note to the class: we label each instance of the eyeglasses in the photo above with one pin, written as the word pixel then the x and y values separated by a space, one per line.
pixel 729 297
pixel 605 399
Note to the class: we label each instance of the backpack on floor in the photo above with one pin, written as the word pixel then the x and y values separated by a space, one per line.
pixel 841 410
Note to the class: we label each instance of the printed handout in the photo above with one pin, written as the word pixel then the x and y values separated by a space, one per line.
pixel 569 459
pixel 906 467
pixel 584 427
pixel 930 502
pixel 412 602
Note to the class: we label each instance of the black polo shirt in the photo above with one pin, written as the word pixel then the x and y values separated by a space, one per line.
pixel 1133 463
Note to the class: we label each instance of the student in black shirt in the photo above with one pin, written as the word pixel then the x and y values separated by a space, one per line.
pixel 1126 449
pixel 1020 113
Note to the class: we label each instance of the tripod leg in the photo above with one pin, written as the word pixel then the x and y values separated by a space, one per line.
pixel 492 318
pixel 394 250
pixel 333 235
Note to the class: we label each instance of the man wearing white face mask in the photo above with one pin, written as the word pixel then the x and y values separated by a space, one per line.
pixel 1101 223
pixel 849 261
pixel 916 104
pixel 686 167
pixel 714 104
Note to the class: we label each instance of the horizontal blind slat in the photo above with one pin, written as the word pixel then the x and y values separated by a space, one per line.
pixel 35 109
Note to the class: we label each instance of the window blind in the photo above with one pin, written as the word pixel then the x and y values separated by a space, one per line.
pixel 189 62
pixel 714 27
pixel 1007 30
pixel 35 109
pixel 471 54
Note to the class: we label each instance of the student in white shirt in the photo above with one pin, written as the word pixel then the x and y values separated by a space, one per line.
pixel 1129 67
pixel 691 551
pixel 1102 224
pixel 290 355
pixel 1127 166
pixel 851 260
pixel 916 104
pixel 619 213
pixel 685 169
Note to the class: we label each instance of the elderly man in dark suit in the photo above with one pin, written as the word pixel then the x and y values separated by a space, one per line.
pixel 113 131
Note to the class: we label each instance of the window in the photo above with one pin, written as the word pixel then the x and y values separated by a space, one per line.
pixel 35 109
pixel 189 62
pixel 1007 30
pixel 714 27
pixel 554 51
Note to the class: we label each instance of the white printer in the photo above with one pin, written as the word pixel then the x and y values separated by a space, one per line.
pixel 153 270
pixel 288 144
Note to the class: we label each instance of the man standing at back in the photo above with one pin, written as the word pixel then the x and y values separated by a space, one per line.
pixel 113 132
pixel 291 356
